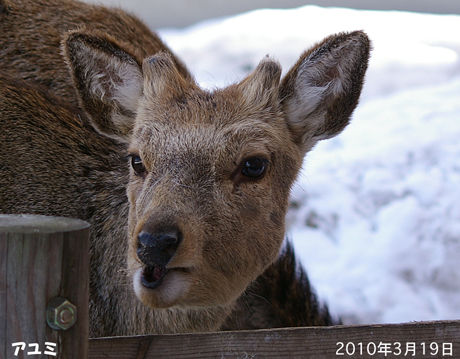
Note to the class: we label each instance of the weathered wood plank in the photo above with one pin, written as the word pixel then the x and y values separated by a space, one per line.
pixel 42 258
pixel 314 342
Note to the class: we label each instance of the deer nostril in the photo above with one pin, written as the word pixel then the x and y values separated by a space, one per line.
pixel 145 239
pixel 157 249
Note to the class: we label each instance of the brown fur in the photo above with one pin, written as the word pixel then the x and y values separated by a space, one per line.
pixel 192 143
pixel 31 33
pixel 3 7
pixel 280 297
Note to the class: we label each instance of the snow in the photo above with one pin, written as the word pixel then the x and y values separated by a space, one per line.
pixel 375 214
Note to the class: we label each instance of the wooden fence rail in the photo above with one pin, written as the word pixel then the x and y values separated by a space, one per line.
pixel 412 340
pixel 45 259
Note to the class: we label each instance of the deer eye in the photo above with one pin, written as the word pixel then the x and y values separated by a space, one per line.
pixel 137 165
pixel 254 167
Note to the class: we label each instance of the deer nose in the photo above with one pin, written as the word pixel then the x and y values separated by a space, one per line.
pixel 157 249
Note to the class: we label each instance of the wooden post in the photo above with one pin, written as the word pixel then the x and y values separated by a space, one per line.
pixel 41 259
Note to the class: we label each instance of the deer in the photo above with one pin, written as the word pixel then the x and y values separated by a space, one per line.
pixel 186 188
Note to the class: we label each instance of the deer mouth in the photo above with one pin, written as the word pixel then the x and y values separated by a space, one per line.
pixel 152 275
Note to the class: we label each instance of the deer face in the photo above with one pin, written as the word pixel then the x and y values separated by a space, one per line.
pixel 211 177
pixel 210 172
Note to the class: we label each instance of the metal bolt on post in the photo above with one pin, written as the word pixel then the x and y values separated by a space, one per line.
pixel 61 314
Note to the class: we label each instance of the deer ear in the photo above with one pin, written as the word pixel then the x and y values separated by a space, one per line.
pixel 322 89
pixel 162 78
pixel 108 81
pixel 261 87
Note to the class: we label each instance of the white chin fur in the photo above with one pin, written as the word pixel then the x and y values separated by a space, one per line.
pixel 138 287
